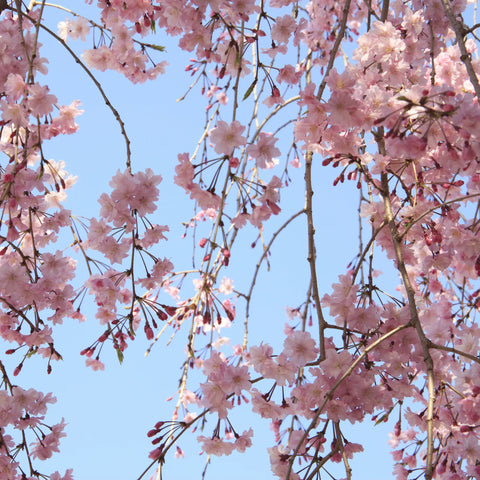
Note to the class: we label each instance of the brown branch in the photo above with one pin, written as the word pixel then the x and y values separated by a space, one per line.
pixel 308 183
pixel 329 394
pixel 454 350
pixel 385 7
pixel 389 218
pixel 348 468
pixel 257 269
pixel 465 56
pixel 323 461
pixel 97 84
pixel 336 46
pixel 312 256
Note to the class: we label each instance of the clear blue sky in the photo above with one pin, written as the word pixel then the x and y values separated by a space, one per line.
pixel 108 413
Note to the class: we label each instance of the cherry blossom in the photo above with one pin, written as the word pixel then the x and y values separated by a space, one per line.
pixel 226 137
pixel 300 348
pixel 386 95
pixel 264 151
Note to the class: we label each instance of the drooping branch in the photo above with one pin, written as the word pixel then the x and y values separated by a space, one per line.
pixel 329 395
pixel 336 46
pixel 312 255
pixel 266 250
pixel 465 56
pixel 99 87
pixel 415 320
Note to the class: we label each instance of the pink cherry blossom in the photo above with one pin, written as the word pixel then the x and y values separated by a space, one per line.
pixel 215 446
pixel 300 348
pixel 226 136
pixel 264 150
pixel 94 364
pixel 396 121
pixel 283 28
pixel 50 443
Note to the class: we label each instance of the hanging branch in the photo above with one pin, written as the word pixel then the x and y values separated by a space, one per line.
pixel 465 57
pixel 117 116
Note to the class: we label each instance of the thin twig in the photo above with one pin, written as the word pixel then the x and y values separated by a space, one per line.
pixel 257 269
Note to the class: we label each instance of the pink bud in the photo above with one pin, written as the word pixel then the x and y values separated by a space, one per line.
pixel 442 467
pixel 179 453
pixel 233 162
pixel 274 207
pixel 202 242
pixel 170 310
pixel 448 108
pixel 157 453
pixel 148 331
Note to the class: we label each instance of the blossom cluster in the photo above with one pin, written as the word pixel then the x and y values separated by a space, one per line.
pixel 398 120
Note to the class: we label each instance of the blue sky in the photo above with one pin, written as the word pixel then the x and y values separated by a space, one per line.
pixel 108 413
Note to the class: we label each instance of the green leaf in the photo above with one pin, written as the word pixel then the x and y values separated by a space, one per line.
pixel 160 48
pixel 250 89
pixel 119 355
pixel 381 419
pixel 31 353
